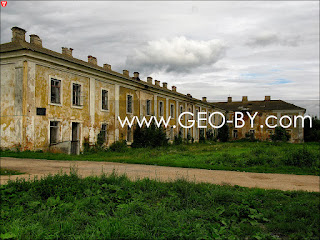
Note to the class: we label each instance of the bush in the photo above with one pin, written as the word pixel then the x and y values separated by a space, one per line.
pixel 119 146
pixel 149 137
pixel 280 135
pixel 312 134
pixel 178 139
pixel 250 137
pixel 223 133
pixel 300 158
pixel 209 135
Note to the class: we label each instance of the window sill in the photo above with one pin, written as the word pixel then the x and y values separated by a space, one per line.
pixel 77 107
pixel 56 104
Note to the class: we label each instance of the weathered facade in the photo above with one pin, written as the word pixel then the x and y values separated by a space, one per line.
pixel 53 101
pixel 264 109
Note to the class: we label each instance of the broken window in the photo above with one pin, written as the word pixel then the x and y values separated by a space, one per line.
pixel 129 104
pixel 54 132
pixel 104 99
pixel 76 94
pixel 160 109
pixel 55 91
pixel 148 107
pixel 181 109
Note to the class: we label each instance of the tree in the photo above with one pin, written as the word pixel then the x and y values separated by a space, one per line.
pixel 223 133
pixel 280 134
pixel 312 134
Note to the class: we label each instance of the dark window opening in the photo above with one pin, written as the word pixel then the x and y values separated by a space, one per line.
pixel 54 132
pixel 55 91
pixel 104 99
pixel 76 94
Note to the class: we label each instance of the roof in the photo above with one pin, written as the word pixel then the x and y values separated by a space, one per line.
pixel 23 45
pixel 257 105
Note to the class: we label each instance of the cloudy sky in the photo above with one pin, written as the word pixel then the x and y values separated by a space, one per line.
pixel 214 49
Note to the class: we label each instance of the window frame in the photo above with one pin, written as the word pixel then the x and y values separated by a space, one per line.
pixel 50 90
pixel 172 110
pixel 161 103
pixel 58 127
pixel 101 100
pixel 131 95
pixel 148 108
pixel 80 97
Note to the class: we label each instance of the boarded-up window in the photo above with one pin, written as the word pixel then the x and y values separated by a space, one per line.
pixel 104 99
pixel 148 107
pixel 76 94
pixel 129 104
pixel 55 91
pixel 54 132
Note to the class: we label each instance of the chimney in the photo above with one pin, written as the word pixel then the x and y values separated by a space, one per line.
pixel 157 83
pixel 67 51
pixel 229 99
pixel 165 85
pixel 189 95
pixel 92 60
pixel 18 34
pixel 204 99
pixel 174 88
pixel 107 66
pixel 34 39
pixel 149 80
pixel 244 98
pixel 267 98
pixel 136 76
pixel 126 73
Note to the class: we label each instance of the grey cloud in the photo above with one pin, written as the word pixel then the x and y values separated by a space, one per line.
pixel 178 54
pixel 271 38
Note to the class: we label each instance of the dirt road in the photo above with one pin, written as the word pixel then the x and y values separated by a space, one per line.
pixel 37 167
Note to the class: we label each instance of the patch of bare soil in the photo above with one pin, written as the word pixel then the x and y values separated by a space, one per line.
pixel 39 168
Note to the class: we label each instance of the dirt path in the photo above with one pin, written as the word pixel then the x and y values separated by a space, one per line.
pixel 37 167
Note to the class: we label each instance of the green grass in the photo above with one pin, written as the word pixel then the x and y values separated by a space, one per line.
pixel 113 207
pixel 4 171
pixel 235 156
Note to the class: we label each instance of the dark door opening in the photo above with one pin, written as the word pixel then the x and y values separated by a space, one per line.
pixel 75 143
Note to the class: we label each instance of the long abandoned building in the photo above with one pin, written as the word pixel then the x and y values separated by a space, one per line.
pixel 52 101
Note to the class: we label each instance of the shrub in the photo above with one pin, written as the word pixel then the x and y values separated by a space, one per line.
pixel 119 146
pixel 209 135
pixel 149 137
pixel 223 133
pixel 280 135
pixel 250 137
pixel 177 139
pixel 300 158
pixel 312 134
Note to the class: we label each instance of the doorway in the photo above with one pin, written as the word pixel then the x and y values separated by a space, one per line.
pixel 75 142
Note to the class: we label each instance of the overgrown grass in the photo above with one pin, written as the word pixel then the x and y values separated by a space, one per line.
pixel 113 207
pixel 236 156
pixel 4 171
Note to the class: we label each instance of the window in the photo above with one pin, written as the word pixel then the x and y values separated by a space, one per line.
pixel 129 104
pixel 76 94
pixel 160 109
pixel 197 115
pixel 129 134
pixel 104 100
pixel 148 107
pixel 103 131
pixel 54 132
pixel 181 109
pixel 55 91
pixel 235 134
pixel 172 111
